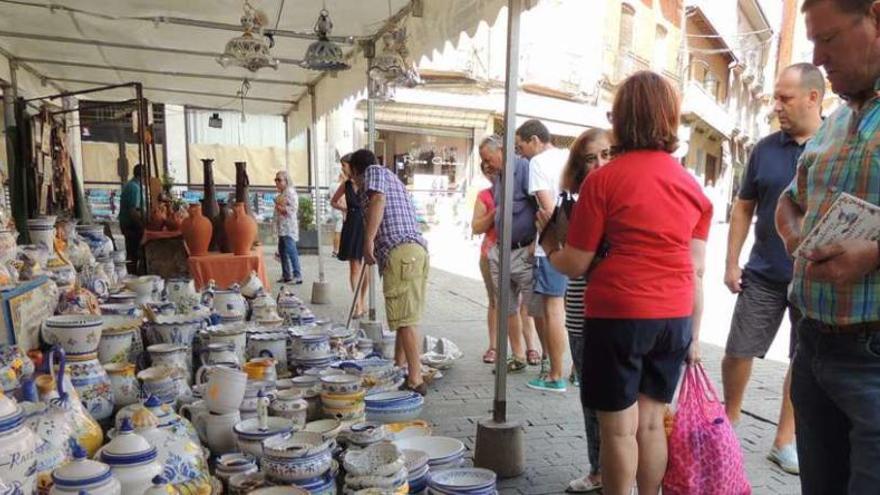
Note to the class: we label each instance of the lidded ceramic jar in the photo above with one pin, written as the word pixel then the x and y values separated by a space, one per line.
pixel 18 444
pixel 132 459
pixel 84 475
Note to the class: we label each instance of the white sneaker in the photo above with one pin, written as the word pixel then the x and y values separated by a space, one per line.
pixel 786 458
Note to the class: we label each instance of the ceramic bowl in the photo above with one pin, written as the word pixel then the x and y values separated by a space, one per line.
pixel 366 433
pixel 305 382
pixel 294 457
pixel 342 401
pixel 381 459
pixel 279 490
pixel 77 334
pixel 463 480
pixel 416 461
pixel 327 428
pixel 249 435
pixel 341 384
pixel 439 449
pixel 351 413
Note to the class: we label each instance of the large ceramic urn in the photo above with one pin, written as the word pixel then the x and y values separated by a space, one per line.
pixel 241 229
pixel 242 185
pixel 18 444
pixel 209 201
pixel 197 231
pixel 219 237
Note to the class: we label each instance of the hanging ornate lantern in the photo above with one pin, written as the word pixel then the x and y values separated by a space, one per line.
pixel 392 67
pixel 323 54
pixel 251 49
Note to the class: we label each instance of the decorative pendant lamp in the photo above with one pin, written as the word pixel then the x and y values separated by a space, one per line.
pixel 392 66
pixel 323 54
pixel 251 49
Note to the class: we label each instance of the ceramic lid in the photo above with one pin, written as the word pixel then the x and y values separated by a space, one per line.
pixel 11 414
pixel 128 448
pixel 250 428
pixel 140 415
pixel 81 472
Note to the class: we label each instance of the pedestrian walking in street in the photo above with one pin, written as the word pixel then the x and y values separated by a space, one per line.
pixel 762 287
pixel 644 300
pixel 547 306
pixel 394 242
pixel 523 342
pixel 351 243
pixel 287 228
pixel 590 150
pixel 835 374
pixel 131 217
pixel 483 223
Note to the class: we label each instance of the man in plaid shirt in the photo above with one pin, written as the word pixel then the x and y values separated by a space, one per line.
pixel 835 385
pixel 394 241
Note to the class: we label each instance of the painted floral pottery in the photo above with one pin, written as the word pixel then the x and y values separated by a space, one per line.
pixel 123 382
pixel 236 333
pixel 166 419
pixel 250 433
pixel 241 229
pixel 77 301
pixel 341 384
pixel 329 429
pixel 142 288
pixel 93 278
pixel 123 297
pixel 158 381
pixel 342 401
pixel 64 274
pixel 229 465
pixel 93 235
pixel 175 329
pixel 121 309
pixel 230 302
pixel 366 433
pixel 117 335
pixel 92 384
pixel 251 286
pixel 76 334
pixel 83 475
pixel 132 459
pixel 394 407
pixel 381 459
pixel 14 364
pixel 18 444
pixel 295 457
pixel 197 231
pixel 219 353
pixel 51 422
pixel 171 355
pixel 291 405
pixel 42 232
pixel 180 288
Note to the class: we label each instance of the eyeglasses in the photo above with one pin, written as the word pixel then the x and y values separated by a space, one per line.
pixel 278 179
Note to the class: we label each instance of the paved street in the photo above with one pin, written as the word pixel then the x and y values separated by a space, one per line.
pixel 556 446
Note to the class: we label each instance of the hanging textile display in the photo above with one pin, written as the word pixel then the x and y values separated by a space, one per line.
pixel 51 163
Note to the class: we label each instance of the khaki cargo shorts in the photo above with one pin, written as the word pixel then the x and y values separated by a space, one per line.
pixel 405 283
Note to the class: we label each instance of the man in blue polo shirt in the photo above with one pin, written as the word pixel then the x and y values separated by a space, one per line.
pixel 763 284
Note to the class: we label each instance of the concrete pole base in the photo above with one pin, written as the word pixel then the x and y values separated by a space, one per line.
pixel 320 293
pixel 373 330
pixel 500 448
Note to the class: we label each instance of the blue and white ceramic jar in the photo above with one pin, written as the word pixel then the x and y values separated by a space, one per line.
pixel 84 476
pixel 18 444
pixel 132 459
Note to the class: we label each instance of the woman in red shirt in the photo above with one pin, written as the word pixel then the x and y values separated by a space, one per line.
pixel 644 299
pixel 484 223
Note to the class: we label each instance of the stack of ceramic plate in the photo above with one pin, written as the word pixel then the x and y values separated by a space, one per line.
pixel 378 375
pixel 394 407
pixel 443 452
pixel 461 481
pixel 417 470
pixel 342 397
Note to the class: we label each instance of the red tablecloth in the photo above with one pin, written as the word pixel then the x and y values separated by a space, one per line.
pixel 227 269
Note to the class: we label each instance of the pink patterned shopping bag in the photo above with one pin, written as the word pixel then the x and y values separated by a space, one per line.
pixel 704 453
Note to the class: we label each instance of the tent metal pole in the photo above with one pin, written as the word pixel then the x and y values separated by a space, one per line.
pixel 371 145
pixel 499 409
pixel 313 158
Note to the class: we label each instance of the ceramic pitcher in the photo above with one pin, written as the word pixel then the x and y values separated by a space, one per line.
pixel 124 383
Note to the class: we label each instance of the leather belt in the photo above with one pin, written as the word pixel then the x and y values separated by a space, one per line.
pixel 855 328
pixel 522 244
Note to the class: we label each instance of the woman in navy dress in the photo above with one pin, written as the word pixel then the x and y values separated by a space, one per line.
pixel 351 243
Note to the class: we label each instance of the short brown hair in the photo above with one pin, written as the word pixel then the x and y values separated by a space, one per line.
pixel 845 6
pixel 646 114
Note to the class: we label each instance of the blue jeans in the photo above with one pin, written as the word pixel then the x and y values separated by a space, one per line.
pixel 289 257
pixel 591 422
pixel 835 388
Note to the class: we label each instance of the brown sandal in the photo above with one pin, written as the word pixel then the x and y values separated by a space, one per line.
pixel 489 356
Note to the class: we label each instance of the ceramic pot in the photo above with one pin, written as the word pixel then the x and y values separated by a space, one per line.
pixel 209 201
pixel 291 405
pixel 142 287
pixel 250 433
pixel 197 231
pixel 264 307
pixel 229 302
pixel 182 458
pixel 98 243
pixel 271 345
pixel 216 429
pixel 180 288
pixel 203 374
pixel 78 335
pixel 171 355
pixel 63 274
pixel 117 336
pixel 51 423
pixel 121 268
pixel 219 353
pixel 108 270
pixel 229 465
pixel 123 382
pixel 158 381
pixel 84 476
pixel 131 459
pixel 251 286
pixel 220 238
pixel 173 329
pixel 92 384
pixel 225 390
pixel 261 369
pixel 18 444
pixel 42 232
pixel 311 346
pixel 296 457
pixel 154 413
pixel 241 229
pixel 78 301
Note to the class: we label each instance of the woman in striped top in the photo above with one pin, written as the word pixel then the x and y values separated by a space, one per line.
pixel 591 150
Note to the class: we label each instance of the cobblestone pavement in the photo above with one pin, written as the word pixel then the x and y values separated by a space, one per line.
pixel 554 430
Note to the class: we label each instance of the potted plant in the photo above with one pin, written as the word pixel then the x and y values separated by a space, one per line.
pixel 308 235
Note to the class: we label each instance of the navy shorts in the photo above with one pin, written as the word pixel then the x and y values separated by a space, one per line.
pixel 623 359
pixel 548 280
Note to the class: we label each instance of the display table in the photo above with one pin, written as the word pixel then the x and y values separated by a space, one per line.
pixel 227 269
pixel 152 235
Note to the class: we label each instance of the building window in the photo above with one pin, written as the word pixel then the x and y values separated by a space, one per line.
pixel 661 50
pixel 627 24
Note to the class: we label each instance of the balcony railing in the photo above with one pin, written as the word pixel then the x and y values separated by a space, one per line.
pixel 628 63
